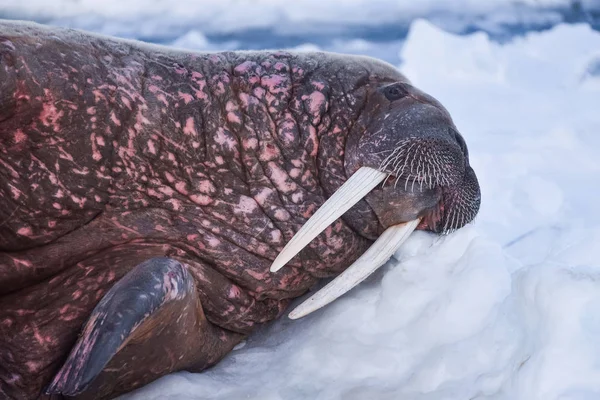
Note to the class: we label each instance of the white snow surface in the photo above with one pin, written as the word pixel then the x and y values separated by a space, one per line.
pixel 507 308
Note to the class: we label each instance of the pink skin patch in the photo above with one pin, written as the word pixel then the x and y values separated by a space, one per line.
pixel 297 197
pixel 98 95
pixel 126 102
pixel 231 106
pixel 315 141
pixel 41 339
pixel 190 127
pixel 247 100
pixel 259 92
pixel 7 322
pixel 163 99
pixel 282 215
pixel 232 115
pixel 316 101
pixel 68 313
pixel 201 199
pixel 200 85
pixel 263 196
pixel 244 67
pixel 19 136
pixel 246 205
pixel 225 138
pixel 78 200
pixel 295 173
pixel 271 82
pixel 269 152
pixel 170 177
pixel 318 85
pixel 279 66
pixel 234 292
pixel 160 94
pixel 214 242
pixel 15 193
pixel 186 97
pixel 220 88
pixel 276 236
pixel 310 210
pixel 166 190
pixel 25 231
pixel 233 118
pixel 64 155
pixel 114 119
pixel 250 144
pixel 50 114
pixel 151 147
pixel 181 187
pixel 181 70
pixel 206 187
pixel 13 172
pixel 34 366
pixel 260 276
pixel 280 178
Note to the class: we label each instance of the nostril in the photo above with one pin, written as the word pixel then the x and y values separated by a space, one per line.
pixel 461 142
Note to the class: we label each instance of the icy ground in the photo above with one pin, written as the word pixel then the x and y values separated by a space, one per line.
pixel 505 309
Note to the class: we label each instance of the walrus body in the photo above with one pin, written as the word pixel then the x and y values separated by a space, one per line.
pixel 145 192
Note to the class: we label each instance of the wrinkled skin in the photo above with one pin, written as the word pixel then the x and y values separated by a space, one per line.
pixel 113 153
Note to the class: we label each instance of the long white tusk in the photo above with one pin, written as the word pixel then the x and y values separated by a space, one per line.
pixel 351 192
pixel 377 255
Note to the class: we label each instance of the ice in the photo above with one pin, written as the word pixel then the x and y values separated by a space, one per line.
pixel 507 308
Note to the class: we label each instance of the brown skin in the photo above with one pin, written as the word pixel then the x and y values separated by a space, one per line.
pixel 113 153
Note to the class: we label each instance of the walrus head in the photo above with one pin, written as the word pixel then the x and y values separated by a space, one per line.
pixel 410 136
pixel 406 158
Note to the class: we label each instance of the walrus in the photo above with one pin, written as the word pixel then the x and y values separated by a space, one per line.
pixel 156 205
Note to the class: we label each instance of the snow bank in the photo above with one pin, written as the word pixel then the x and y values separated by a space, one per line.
pixel 505 309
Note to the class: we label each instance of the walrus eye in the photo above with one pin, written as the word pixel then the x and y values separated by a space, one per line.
pixel 394 92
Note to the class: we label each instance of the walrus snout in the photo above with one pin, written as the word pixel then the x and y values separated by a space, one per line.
pixel 429 178
pixel 410 136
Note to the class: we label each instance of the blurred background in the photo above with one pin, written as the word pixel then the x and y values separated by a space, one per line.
pixel 374 27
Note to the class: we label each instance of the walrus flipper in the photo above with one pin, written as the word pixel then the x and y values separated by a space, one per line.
pixel 156 296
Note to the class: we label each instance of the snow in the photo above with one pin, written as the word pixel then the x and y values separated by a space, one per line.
pixel 507 308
